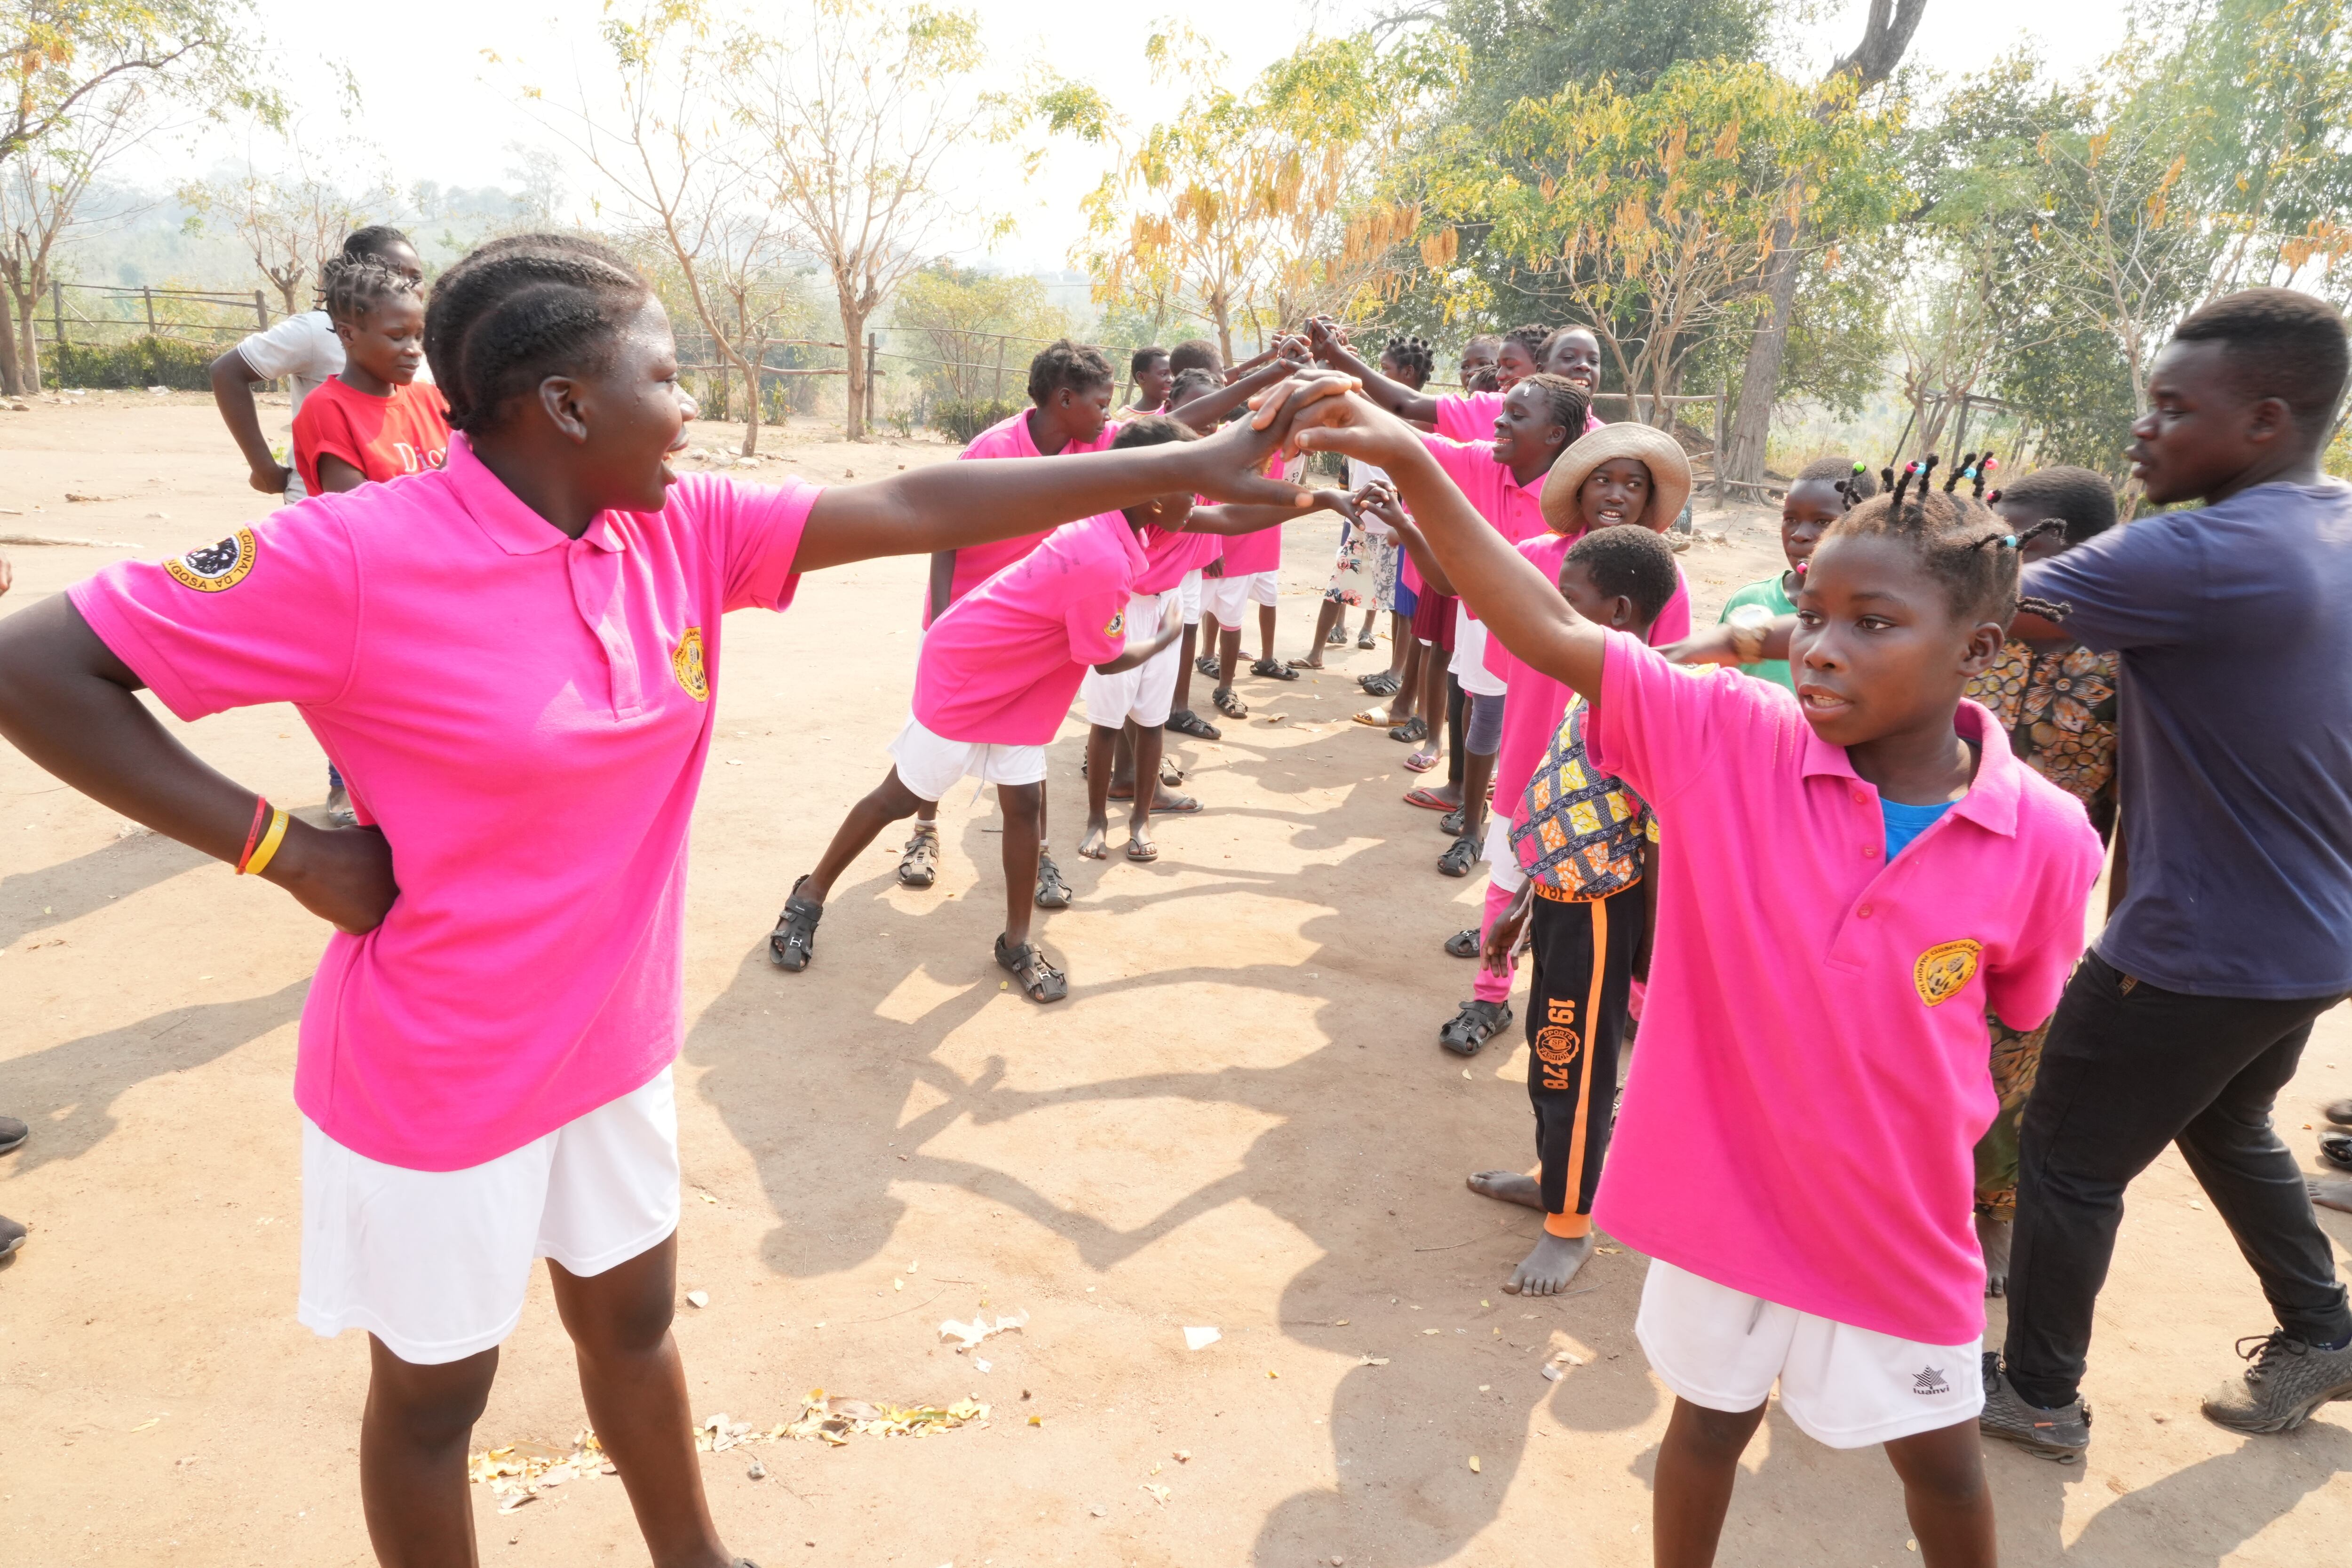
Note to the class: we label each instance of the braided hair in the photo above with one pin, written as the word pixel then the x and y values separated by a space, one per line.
pixel 1063 365
pixel 1850 478
pixel 374 241
pixel 1531 337
pixel 1960 542
pixel 1566 402
pixel 354 286
pixel 520 309
pixel 1413 358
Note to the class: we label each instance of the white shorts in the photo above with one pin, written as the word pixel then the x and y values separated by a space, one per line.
pixel 436 1263
pixel 1188 595
pixel 1468 664
pixel 1845 1386
pixel 929 764
pixel 1502 866
pixel 1146 692
pixel 1226 597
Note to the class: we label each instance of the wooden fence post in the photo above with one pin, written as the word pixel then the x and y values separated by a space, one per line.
pixel 873 358
pixel 1722 434
pixel 150 295
pixel 260 309
pixel 57 304
pixel 998 396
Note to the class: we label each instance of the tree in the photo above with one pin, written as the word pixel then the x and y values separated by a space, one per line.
pixel 64 57
pixel 849 120
pixel 1886 34
pixel 291 222
pixel 966 318
pixel 1652 216
pixel 41 192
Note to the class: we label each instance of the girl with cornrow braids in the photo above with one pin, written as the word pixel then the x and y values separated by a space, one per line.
pixel 516 656
pixel 1858 870
pixel 372 420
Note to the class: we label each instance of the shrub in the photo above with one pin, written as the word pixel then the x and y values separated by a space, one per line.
pixel 963 420
pixel 141 362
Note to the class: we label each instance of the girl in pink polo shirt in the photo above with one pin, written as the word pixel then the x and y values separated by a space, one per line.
pixel 1859 870
pixel 1468 416
pixel 515 657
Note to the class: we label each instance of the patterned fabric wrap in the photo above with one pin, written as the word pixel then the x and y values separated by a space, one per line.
pixel 1578 831
pixel 2059 709
pixel 1352 569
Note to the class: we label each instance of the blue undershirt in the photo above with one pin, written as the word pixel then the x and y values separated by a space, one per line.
pixel 1905 823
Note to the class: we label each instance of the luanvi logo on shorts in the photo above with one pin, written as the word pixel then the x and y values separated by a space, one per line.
pixel 686 663
pixel 215 568
pixel 1930 1381
pixel 1944 970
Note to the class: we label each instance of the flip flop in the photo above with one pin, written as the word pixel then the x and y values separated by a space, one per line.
pixel 1422 762
pixel 1149 852
pixel 1374 718
pixel 1305 664
pixel 1178 805
pixel 1429 800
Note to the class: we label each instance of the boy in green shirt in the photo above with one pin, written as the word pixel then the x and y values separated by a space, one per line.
pixel 1814 502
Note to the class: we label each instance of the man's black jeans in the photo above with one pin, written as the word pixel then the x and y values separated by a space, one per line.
pixel 2127 1069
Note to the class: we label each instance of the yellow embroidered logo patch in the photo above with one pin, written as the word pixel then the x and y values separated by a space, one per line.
pixel 1944 969
pixel 1118 628
pixel 216 568
pixel 686 663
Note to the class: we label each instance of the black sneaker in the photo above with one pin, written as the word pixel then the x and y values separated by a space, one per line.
pixel 11 1133
pixel 2285 1380
pixel 2062 1434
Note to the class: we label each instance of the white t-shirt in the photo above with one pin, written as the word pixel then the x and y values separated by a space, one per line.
pixel 1359 474
pixel 303 351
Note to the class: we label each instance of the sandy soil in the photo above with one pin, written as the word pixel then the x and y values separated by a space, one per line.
pixel 1240 1120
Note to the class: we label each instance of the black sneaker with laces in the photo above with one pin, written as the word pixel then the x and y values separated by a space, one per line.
pixel 2285 1380
pixel 2063 1433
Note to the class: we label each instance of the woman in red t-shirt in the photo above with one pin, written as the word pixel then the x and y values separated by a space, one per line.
pixel 372 421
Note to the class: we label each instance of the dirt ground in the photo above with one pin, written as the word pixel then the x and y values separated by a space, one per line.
pixel 1240 1120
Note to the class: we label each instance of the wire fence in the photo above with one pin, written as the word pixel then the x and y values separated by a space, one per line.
pixel 101 313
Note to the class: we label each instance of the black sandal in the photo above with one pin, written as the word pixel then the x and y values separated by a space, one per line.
pixel 1185 721
pixel 1170 773
pixel 1231 706
pixel 1459 856
pixel 1206 664
pixel 1451 823
pixel 1464 944
pixel 793 941
pixel 1472 1027
pixel 1367 640
pixel 918 863
pixel 2336 1148
pixel 1383 684
pixel 1412 732
pixel 1273 669
pixel 1052 893
pixel 1040 981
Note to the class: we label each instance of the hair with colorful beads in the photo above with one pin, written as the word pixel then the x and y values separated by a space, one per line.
pixel 1960 540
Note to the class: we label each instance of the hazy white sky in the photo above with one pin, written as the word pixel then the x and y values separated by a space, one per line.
pixel 437 110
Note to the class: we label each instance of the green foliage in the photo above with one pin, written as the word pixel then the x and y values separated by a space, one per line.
pixel 1532 48
pixel 962 419
pixel 959 318
pixel 142 362
pixel 56 54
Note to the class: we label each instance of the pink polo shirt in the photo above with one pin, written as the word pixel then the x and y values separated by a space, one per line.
pixel 1812 1075
pixel 526 716
pixel 1002 666
pixel 1536 704
pixel 1262 551
pixel 1493 493
pixel 1470 416
pixel 1168 556
pixel 976 564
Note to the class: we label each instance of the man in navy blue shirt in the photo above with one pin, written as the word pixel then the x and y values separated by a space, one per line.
pixel 2234 930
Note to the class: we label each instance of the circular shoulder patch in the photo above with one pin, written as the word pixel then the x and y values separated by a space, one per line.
pixel 1944 969
pixel 215 568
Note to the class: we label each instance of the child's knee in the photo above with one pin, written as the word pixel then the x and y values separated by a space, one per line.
pixel 1720 1433
pixel 1022 800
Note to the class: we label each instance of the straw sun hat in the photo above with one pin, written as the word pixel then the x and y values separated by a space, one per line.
pixel 1670 475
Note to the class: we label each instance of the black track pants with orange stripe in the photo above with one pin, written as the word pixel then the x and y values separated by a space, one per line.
pixel 1581 977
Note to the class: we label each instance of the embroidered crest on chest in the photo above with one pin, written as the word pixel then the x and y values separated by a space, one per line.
pixel 1944 970
pixel 686 663
pixel 215 568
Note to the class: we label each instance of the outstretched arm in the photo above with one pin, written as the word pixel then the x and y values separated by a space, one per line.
pixel 1205 410
pixel 1394 395
pixel 1233 520
pixel 947 506
pixel 71 706
pixel 1517 603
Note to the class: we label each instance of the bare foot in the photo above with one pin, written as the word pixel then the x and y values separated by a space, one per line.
pixel 1507 1186
pixel 1547 1271
pixel 1993 1235
pixel 1096 842
pixel 2330 1192
pixel 1168 803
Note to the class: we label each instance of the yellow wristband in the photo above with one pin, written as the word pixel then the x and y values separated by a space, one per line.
pixel 262 852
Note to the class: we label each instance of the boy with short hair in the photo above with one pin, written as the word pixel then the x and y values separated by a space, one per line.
pixel 2235 931
pixel 1579 836
pixel 1815 499
pixel 1149 371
